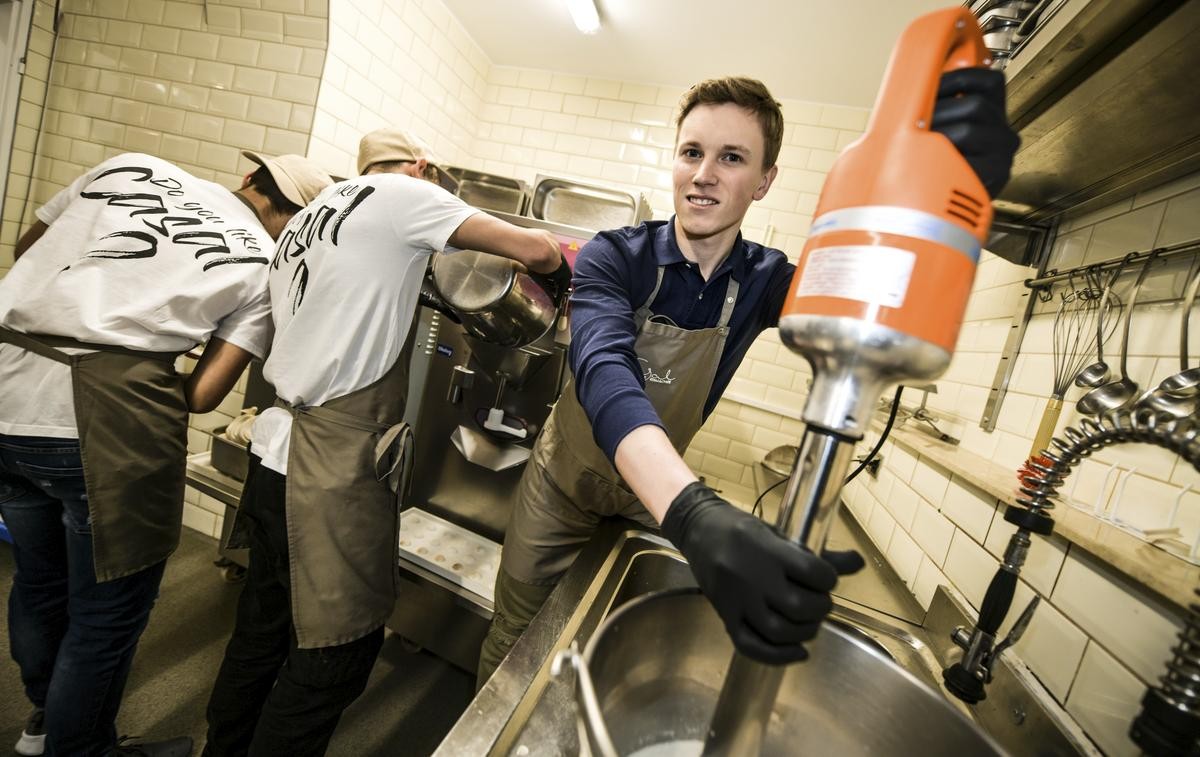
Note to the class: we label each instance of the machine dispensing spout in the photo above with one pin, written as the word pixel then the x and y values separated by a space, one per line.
pixel 495 414
pixel 461 378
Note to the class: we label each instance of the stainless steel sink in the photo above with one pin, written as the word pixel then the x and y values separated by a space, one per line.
pixel 636 563
pixel 523 710
pixel 647 563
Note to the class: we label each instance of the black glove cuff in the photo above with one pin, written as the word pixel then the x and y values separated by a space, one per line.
pixel 557 282
pixel 694 497
pixel 562 274
pixel 430 298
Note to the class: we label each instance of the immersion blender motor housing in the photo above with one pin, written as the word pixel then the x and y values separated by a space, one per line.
pixel 879 293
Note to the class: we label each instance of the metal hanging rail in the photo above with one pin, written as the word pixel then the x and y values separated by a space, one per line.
pixel 1163 253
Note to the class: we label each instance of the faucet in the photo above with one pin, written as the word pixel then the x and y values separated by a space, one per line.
pixel 1040 482
pixel 967 678
pixel 1169 723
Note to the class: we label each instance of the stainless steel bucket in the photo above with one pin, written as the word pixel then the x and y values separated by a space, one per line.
pixel 497 302
pixel 649 679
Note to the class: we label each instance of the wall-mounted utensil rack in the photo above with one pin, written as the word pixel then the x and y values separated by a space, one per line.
pixel 1040 288
pixel 1164 253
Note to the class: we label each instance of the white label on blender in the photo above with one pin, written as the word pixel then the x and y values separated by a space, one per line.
pixel 867 273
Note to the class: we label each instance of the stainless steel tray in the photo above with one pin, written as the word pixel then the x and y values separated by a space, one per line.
pixel 489 191
pixel 228 456
pixel 585 205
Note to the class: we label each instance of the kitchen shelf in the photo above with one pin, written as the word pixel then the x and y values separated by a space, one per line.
pixel 1165 574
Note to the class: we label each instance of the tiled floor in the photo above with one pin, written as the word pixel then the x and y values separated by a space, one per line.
pixel 410 703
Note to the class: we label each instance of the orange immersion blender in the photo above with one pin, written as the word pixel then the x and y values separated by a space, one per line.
pixel 878 298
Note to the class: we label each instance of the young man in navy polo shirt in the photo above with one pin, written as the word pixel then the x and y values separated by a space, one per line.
pixel 661 316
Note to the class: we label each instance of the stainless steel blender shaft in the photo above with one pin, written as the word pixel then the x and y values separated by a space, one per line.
pixel 808 508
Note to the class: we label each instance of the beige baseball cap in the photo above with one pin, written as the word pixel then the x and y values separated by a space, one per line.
pixel 383 145
pixel 300 179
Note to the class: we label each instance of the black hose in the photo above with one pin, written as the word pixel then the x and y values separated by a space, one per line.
pixel 887 429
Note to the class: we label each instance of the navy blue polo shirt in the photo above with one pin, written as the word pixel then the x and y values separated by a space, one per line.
pixel 615 274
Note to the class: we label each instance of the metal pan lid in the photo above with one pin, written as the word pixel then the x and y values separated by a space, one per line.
pixel 472 281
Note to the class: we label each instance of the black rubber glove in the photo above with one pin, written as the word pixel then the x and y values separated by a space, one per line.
pixel 770 593
pixel 970 112
pixel 557 283
pixel 431 298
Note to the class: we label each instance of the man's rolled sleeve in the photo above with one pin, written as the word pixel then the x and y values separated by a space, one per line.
pixel 609 286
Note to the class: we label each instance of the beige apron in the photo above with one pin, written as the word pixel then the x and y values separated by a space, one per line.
pixel 570 483
pixel 347 467
pixel 132 416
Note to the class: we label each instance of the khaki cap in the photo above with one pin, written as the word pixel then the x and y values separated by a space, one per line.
pixel 300 179
pixel 383 145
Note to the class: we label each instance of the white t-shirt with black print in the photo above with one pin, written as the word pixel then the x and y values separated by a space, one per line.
pixel 344 284
pixel 138 254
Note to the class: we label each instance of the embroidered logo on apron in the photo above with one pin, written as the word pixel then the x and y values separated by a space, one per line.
pixel 653 378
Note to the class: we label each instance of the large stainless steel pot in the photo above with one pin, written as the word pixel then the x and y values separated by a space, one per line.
pixel 497 302
pixel 649 679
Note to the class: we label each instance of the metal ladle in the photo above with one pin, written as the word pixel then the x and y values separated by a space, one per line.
pixel 1177 394
pixel 1097 373
pixel 1118 393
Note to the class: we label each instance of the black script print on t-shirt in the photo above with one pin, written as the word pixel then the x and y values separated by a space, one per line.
pixel 168 218
pixel 310 226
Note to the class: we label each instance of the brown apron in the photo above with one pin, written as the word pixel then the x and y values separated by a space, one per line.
pixel 347 467
pixel 570 484
pixel 132 417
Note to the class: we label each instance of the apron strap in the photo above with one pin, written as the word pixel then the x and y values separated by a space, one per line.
pixel 36 346
pixel 334 416
pixel 49 346
pixel 643 313
pixel 393 451
pixel 394 458
pixel 731 295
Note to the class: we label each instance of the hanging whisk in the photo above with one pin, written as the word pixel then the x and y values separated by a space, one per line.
pixel 1082 307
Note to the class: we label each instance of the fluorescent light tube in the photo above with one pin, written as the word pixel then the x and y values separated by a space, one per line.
pixel 583 12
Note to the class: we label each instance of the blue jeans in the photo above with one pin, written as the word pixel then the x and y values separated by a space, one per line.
pixel 73 638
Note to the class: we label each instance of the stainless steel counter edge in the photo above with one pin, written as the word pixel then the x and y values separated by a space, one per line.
pixel 204 477
pixel 481 728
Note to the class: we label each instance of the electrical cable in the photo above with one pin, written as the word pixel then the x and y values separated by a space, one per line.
pixel 887 429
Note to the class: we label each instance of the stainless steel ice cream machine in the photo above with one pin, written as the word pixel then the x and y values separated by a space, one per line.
pixel 488 364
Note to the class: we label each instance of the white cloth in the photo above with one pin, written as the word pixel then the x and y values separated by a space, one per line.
pixel 344 284
pixel 138 254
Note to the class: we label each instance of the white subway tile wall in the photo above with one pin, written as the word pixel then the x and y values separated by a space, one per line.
pixel 25 137
pixel 156 76
pixel 1104 700
pixel 398 63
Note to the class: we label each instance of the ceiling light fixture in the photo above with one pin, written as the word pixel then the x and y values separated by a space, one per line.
pixel 583 12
